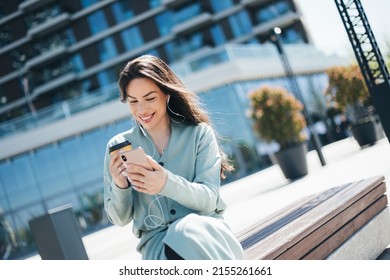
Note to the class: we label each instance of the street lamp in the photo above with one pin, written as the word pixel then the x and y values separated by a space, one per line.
pixel 275 38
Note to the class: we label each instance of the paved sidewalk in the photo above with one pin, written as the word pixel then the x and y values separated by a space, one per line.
pixel 254 197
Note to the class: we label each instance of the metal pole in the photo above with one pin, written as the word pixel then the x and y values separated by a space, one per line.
pixel 26 90
pixel 24 82
pixel 275 38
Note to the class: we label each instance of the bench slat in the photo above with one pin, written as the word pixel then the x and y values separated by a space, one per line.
pixel 281 218
pixel 313 239
pixel 271 244
pixel 327 247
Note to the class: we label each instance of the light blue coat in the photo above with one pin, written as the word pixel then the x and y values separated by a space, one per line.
pixel 187 213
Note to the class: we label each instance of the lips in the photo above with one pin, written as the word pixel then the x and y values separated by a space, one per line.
pixel 146 119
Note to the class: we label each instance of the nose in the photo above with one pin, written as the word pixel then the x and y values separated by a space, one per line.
pixel 141 107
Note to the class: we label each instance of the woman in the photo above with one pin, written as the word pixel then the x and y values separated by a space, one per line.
pixel 175 207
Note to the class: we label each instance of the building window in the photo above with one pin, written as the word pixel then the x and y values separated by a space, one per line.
pixel 273 11
pixel 164 22
pixel 132 38
pixel 53 71
pixel 4 203
pixel 170 51
pixel 97 22
pixel 5 36
pixel 106 78
pixel 179 48
pixel 291 35
pixel 77 62
pixel 187 12
pixel 154 3
pixel 49 164
pixel 38 17
pixel 240 24
pixel 87 3
pixel 122 11
pixel 106 49
pixel 218 5
pixel 195 42
pixel 20 190
pixel 208 61
pixel 153 52
pixel 218 34
pixel 69 36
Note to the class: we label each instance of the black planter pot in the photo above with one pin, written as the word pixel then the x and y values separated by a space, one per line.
pixel 365 133
pixel 293 161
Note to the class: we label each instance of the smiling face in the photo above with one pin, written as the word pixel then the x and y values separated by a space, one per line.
pixel 147 104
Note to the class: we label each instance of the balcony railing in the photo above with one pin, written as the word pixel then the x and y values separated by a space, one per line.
pixel 283 20
pixel 193 23
pixel 46 57
pixel 59 111
pixel 174 3
pixel 31 4
pixel 50 24
pixel 55 83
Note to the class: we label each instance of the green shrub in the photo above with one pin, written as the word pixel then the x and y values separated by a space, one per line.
pixel 277 116
pixel 347 90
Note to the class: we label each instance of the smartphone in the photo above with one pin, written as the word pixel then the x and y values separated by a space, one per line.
pixel 136 156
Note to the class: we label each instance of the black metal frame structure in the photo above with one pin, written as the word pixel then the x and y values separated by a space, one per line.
pixel 369 57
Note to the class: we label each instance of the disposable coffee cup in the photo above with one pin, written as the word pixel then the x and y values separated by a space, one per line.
pixel 120 148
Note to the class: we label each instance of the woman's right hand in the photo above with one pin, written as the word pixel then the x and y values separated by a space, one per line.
pixel 116 170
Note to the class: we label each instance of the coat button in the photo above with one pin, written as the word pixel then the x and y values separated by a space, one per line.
pixel 173 211
pixel 161 163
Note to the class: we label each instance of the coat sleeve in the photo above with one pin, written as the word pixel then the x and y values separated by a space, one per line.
pixel 202 193
pixel 117 201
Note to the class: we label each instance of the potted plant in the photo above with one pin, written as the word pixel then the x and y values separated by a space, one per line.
pixel 348 92
pixel 277 117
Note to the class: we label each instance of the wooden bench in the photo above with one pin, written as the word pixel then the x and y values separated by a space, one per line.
pixel 317 226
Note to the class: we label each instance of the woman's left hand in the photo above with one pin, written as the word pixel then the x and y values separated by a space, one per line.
pixel 145 180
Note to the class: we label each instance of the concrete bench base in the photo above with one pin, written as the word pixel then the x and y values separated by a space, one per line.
pixel 369 242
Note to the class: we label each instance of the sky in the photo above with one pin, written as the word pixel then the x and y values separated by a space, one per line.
pixel 327 30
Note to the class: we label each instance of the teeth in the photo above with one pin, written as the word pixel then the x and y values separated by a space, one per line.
pixel 146 118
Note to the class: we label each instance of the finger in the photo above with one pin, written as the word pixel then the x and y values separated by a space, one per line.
pixel 139 189
pixel 136 181
pixel 115 164
pixel 154 163
pixel 114 158
pixel 122 171
pixel 136 169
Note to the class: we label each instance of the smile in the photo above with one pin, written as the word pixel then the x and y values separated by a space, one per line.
pixel 147 118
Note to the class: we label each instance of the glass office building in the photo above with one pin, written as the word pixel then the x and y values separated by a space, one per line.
pixel 59 100
pixel 54 51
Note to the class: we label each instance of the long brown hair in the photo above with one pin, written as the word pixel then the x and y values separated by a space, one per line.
pixel 182 101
